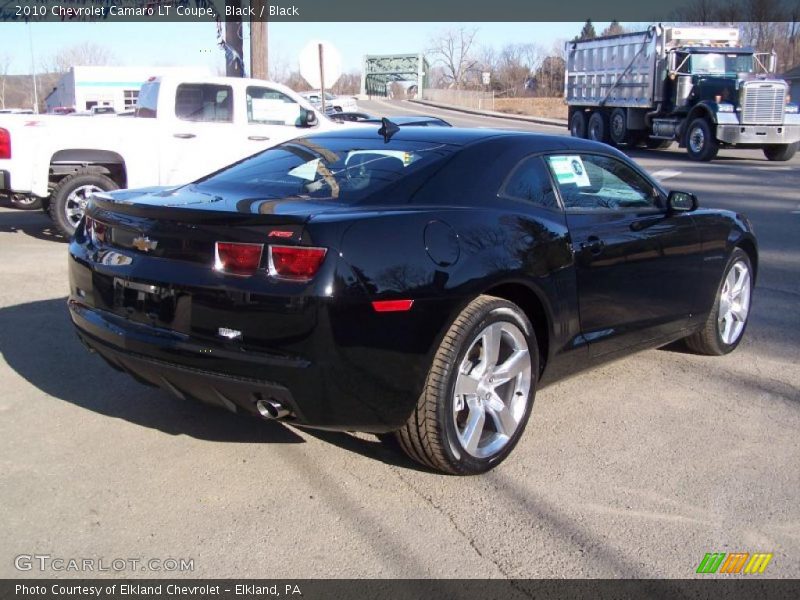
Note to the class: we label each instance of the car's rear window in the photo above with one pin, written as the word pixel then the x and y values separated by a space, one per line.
pixel 340 170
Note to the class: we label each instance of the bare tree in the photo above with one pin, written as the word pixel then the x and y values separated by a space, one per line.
pixel 550 74
pixel 452 49
pixel 5 65
pixel 349 84
pixel 83 54
pixel 516 65
pixel 279 69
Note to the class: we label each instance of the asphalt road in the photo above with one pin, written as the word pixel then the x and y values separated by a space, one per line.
pixel 635 470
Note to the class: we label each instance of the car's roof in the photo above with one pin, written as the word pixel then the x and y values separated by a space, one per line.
pixel 459 136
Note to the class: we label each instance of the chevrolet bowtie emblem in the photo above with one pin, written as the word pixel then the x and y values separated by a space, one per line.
pixel 144 244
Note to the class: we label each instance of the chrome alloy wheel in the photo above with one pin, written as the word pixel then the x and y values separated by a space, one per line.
pixel 76 203
pixel 492 389
pixel 734 302
pixel 697 140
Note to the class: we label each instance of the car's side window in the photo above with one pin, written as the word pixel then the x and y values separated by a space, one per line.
pixel 529 181
pixel 266 106
pixel 205 102
pixel 596 182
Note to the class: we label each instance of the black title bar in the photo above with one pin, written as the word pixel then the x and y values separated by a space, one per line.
pixel 146 11
pixel 745 587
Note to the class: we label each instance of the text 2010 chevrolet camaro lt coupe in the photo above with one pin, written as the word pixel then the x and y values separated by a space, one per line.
pixel 424 281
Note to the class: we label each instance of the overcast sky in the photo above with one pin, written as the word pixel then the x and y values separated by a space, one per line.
pixel 175 44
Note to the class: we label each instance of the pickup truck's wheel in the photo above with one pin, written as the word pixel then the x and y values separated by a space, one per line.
pixel 724 328
pixel 618 126
pixel 700 141
pixel 598 127
pixel 479 391
pixel 780 152
pixel 577 124
pixel 25 202
pixel 70 195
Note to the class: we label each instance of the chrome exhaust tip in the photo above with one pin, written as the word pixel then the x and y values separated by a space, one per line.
pixel 272 409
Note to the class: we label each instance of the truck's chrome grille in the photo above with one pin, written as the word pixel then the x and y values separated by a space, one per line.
pixel 762 103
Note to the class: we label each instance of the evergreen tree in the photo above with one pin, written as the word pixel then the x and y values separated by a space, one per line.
pixel 588 32
pixel 614 28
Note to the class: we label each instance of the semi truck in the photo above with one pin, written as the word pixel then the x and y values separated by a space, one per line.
pixel 697 86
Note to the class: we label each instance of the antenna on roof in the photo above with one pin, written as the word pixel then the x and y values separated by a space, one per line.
pixel 388 129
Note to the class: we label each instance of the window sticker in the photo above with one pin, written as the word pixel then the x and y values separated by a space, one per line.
pixel 569 169
pixel 273 110
pixel 307 171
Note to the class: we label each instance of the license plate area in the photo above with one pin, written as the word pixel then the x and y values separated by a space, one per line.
pixel 151 304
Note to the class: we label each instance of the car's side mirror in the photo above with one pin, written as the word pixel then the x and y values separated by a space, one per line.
pixel 308 118
pixel 681 201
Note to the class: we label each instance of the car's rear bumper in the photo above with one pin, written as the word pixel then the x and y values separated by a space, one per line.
pixel 333 362
pixel 142 352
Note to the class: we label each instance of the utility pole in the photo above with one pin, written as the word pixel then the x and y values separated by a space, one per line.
pixel 33 74
pixel 233 37
pixel 258 40
pixel 322 78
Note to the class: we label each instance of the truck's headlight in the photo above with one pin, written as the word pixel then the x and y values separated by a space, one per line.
pixel 791 108
pixel 724 107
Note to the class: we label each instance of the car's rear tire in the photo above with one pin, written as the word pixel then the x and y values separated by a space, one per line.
pixel 727 321
pixel 577 124
pixel 69 196
pixel 598 127
pixel 618 127
pixel 780 152
pixel 479 391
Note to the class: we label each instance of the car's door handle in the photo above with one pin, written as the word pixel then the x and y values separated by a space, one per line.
pixel 257 138
pixel 184 136
pixel 593 244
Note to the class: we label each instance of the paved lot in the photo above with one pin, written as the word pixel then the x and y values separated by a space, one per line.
pixel 633 470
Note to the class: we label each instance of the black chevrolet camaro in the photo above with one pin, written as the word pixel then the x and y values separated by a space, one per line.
pixel 420 281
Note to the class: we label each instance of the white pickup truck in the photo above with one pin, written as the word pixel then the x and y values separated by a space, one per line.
pixel 182 129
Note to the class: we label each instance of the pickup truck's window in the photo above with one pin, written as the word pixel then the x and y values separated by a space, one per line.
pixel 529 181
pixel 329 169
pixel 204 102
pixel 593 182
pixel 266 106
pixel 147 101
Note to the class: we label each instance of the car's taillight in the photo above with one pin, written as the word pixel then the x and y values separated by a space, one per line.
pixel 295 262
pixel 5 143
pixel 238 259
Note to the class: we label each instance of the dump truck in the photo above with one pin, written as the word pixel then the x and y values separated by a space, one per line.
pixel 697 86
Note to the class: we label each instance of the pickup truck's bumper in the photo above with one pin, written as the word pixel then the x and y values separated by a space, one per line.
pixel 758 135
pixel 5 181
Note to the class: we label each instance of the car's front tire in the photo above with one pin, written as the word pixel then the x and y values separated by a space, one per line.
pixel 479 391
pixel 701 144
pixel 25 202
pixel 727 321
